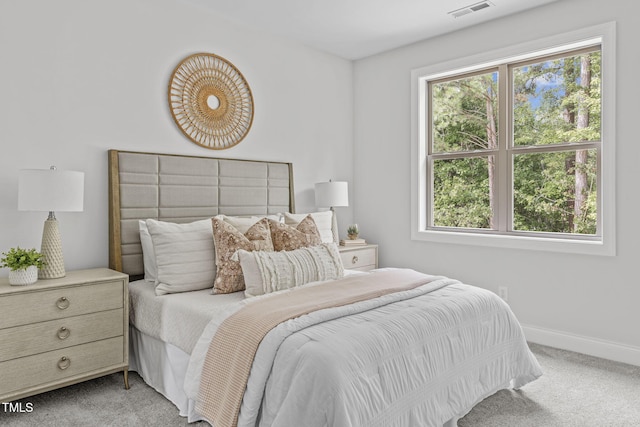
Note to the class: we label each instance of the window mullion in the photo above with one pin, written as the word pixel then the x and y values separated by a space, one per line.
pixel 464 154
pixel 502 214
pixel 554 148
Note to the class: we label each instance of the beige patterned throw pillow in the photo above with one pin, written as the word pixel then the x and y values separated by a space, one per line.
pixel 288 238
pixel 324 220
pixel 227 240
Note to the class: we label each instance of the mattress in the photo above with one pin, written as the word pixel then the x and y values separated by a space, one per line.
pixel 177 319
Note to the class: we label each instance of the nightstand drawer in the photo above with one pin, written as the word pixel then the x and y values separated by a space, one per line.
pixel 32 307
pixel 359 258
pixel 41 369
pixel 56 334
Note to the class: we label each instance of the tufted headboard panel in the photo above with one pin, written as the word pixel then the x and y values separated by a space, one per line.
pixel 179 188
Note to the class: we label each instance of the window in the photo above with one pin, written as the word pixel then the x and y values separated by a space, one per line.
pixel 513 152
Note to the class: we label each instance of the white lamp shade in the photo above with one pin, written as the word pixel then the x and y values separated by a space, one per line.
pixel 50 190
pixel 332 193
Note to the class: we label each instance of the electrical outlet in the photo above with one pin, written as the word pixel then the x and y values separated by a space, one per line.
pixel 503 293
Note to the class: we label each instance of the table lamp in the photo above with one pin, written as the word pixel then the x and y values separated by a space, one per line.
pixel 51 190
pixel 332 194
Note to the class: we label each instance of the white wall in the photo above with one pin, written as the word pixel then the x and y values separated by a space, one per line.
pixel 584 303
pixel 80 77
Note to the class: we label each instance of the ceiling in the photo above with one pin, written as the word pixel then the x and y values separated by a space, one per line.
pixel 354 29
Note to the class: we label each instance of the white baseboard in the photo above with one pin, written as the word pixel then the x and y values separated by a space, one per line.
pixel 585 345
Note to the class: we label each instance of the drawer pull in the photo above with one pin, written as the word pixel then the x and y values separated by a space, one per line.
pixel 62 303
pixel 64 363
pixel 63 333
pixel 354 260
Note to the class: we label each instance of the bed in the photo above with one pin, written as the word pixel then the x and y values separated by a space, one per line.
pixel 391 347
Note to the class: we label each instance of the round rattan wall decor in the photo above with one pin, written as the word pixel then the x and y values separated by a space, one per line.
pixel 210 101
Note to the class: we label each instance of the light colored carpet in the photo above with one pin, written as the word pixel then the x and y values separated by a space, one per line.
pixel 576 390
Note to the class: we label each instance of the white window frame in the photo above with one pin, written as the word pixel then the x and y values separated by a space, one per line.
pixel 605 244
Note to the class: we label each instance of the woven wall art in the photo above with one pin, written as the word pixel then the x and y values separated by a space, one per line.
pixel 210 101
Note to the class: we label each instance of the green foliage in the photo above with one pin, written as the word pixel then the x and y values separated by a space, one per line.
pixel 551 105
pixel 20 259
pixel 544 194
pixel 461 193
pixel 352 230
pixel 460 113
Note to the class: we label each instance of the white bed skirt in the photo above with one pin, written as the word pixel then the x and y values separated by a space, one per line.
pixel 164 366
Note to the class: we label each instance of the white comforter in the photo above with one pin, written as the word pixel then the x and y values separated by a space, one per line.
pixel 416 358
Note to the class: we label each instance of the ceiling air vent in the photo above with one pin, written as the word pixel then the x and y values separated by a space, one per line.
pixel 469 9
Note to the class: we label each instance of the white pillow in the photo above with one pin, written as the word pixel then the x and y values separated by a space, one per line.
pixel 184 255
pixel 324 221
pixel 266 272
pixel 148 257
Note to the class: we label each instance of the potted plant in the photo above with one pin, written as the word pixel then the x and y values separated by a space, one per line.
pixel 24 265
pixel 352 231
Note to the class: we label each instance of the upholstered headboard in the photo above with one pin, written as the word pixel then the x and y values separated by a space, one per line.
pixel 179 188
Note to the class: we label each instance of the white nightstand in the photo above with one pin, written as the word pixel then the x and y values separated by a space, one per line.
pixel 359 257
pixel 59 332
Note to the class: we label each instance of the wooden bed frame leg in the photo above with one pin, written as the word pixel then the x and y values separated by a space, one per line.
pixel 126 379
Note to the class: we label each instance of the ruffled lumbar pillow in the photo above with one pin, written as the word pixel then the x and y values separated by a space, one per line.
pixel 184 255
pixel 288 238
pixel 227 240
pixel 266 272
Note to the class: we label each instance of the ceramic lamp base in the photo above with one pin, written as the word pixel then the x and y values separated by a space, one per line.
pixel 334 226
pixel 51 251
